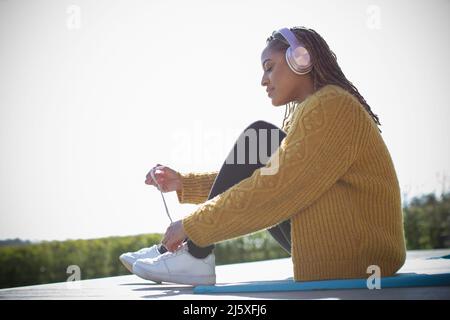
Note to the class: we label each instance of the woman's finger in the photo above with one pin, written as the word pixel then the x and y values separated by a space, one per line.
pixel 175 245
pixel 169 243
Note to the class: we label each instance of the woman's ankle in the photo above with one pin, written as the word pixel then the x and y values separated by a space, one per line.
pixel 161 249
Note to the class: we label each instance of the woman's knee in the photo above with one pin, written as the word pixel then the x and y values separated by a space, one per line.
pixel 261 124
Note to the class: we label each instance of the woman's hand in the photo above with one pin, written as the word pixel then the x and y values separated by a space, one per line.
pixel 174 236
pixel 167 178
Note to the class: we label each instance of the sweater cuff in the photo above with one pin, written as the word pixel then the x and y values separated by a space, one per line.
pixel 180 192
pixel 195 187
pixel 192 232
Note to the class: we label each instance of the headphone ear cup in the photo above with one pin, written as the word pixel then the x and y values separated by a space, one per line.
pixel 299 60
pixel 301 57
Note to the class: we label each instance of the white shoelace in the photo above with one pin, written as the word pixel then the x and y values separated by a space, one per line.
pixel 164 200
pixel 169 254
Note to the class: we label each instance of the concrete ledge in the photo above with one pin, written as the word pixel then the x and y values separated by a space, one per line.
pixel 133 287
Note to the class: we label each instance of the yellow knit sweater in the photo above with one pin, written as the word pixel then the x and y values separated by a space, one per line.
pixel 336 182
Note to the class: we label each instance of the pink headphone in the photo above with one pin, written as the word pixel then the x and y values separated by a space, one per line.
pixel 297 56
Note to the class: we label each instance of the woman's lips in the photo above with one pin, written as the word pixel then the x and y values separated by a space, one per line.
pixel 269 92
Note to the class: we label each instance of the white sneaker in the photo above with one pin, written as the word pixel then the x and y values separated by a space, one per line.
pixel 131 257
pixel 178 267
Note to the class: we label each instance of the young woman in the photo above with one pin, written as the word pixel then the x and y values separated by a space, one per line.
pixel 329 193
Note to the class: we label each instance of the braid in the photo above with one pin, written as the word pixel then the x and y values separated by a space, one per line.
pixel 291 107
pixel 325 67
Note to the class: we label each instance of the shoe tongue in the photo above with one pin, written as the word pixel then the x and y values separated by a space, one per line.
pixel 177 252
pixel 144 250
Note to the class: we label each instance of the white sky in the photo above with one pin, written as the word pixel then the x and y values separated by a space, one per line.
pixel 89 102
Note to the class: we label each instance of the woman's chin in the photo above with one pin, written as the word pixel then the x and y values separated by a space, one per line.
pixel 276 103
pixel 280 102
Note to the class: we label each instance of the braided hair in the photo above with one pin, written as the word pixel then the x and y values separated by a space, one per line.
pixel 325 67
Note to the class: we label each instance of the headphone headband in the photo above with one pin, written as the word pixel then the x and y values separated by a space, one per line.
pixel 290 37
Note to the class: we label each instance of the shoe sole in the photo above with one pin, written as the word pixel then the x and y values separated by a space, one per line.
pixel 126 264
pixel 130 268
pixel 174 278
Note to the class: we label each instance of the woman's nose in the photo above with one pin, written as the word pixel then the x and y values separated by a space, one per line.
pixel 264 81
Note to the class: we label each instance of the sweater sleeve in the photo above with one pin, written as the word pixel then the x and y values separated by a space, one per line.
pixel 195 187
pixel 321 145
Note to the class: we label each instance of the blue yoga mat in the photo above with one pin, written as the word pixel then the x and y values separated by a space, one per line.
pixel 397 281
pixel 400 280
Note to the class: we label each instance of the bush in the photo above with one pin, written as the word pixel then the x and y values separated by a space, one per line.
pixel 427 222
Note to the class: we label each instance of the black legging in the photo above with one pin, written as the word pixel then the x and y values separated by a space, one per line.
pixel 233 172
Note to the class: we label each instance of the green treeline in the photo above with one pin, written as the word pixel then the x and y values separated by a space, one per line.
pixel 47 262
pixel 426 221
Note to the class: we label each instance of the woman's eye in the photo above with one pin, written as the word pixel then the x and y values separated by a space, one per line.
pixel 268 69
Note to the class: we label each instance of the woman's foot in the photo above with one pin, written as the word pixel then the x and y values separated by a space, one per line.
pixel 178 267
pixel 129 258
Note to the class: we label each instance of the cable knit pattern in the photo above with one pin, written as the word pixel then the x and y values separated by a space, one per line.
pixel 336 182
